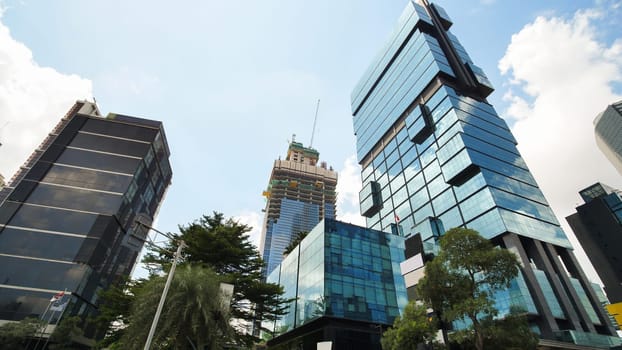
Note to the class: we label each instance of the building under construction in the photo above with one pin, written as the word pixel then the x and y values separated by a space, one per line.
pixel 300 194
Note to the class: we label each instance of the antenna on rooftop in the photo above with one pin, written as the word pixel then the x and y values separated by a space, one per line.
pixel 317 108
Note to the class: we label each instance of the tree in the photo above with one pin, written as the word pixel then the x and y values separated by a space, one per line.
pixel 461 281
pixel 114 305
pixel 510 333
pixel 295 241
pixel 15 335
pixel 224 246
pixel 414 327
pixel 195 315
pixel 65 333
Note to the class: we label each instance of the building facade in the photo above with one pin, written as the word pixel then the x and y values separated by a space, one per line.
pixel 347 287
pixel 300 193
pixel 597 224
pixel 435 155
pixel 608 131
pixel 67 218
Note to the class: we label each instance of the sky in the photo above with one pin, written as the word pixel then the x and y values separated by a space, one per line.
pixel 233 81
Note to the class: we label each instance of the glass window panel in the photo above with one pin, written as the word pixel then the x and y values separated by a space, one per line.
pixel 39 245
pixel 444 201
pixel 52 219
pixel 419 198
pixel 110 145
pixel 86 178
pixel 41 274
pixel 476 205
pixel 76 199
pixel 128 131
pixel 94 160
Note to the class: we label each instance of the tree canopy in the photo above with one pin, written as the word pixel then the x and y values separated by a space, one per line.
pixel 295 241
pixel 461 280
pixel 195 315
pixel 223 245
pixel 414 327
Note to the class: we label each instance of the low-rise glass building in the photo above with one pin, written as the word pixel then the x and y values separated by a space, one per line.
pixel 346 286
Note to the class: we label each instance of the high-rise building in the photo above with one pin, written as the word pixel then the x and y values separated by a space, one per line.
pixel 435 155
pixel 300 193
pixel 608 130
pixel 67 218
pixel 597 225
pixel 345 285
pixel 2 184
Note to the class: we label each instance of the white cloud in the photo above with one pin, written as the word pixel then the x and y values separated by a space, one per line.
pixel 348 187
pixel 32 101
pixel 565 74
pixel 254 220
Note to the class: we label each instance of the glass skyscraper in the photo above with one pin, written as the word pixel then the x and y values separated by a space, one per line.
pixel 435 155
pixel 598 226
pixel 300 193
pixel 346 284
pixel 67 218
pixel 608 131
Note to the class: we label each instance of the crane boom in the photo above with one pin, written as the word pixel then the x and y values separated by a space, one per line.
pixel 317 108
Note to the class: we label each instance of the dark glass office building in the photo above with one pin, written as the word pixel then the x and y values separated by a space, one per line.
pixel 67 216
pixel 347 286
pixel 435 155
pixel 598 226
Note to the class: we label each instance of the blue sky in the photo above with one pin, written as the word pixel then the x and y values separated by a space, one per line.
pixel 233 80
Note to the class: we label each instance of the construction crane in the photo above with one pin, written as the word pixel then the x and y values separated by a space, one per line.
pixel 317 108
pixel 2 127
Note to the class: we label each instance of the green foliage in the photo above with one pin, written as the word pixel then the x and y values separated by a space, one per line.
pixel 64 334
pixel 295 241
pixel 509 333
pixel 224 246
pixel 114 310
pixel 194 312
pixel 413 328
pixel 15 335
pixel 461 280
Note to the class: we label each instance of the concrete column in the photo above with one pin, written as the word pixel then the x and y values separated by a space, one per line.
pixel 551 271
pixel 548 325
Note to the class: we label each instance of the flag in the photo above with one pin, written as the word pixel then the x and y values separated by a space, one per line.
pixel 59 304
pixel 397 219
pixel 58 296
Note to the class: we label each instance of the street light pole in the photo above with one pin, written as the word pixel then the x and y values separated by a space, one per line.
pixel 156 318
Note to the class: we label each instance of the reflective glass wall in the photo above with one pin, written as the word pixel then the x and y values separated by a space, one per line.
pixel 67 222
pixel 343 271
pixel 435 155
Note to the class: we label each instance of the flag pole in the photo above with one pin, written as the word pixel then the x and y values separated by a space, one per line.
pixel 47 322
pixel 41 330
pixel 62 312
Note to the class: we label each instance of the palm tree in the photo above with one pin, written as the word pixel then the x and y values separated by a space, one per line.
pixel 195 314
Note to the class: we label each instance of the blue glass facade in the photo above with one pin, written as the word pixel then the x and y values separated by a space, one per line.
pixel 300 193
pixel 342 271
pixel 435 155
pixel 296 216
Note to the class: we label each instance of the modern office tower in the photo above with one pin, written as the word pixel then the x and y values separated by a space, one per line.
pixel 435 155
pixel 608 130
pixel 300 193
pixel 67 218
pixel 598 227
pixel 346 287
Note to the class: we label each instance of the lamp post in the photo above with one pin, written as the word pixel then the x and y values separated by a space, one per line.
pixel 169 279
pixel 156 318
